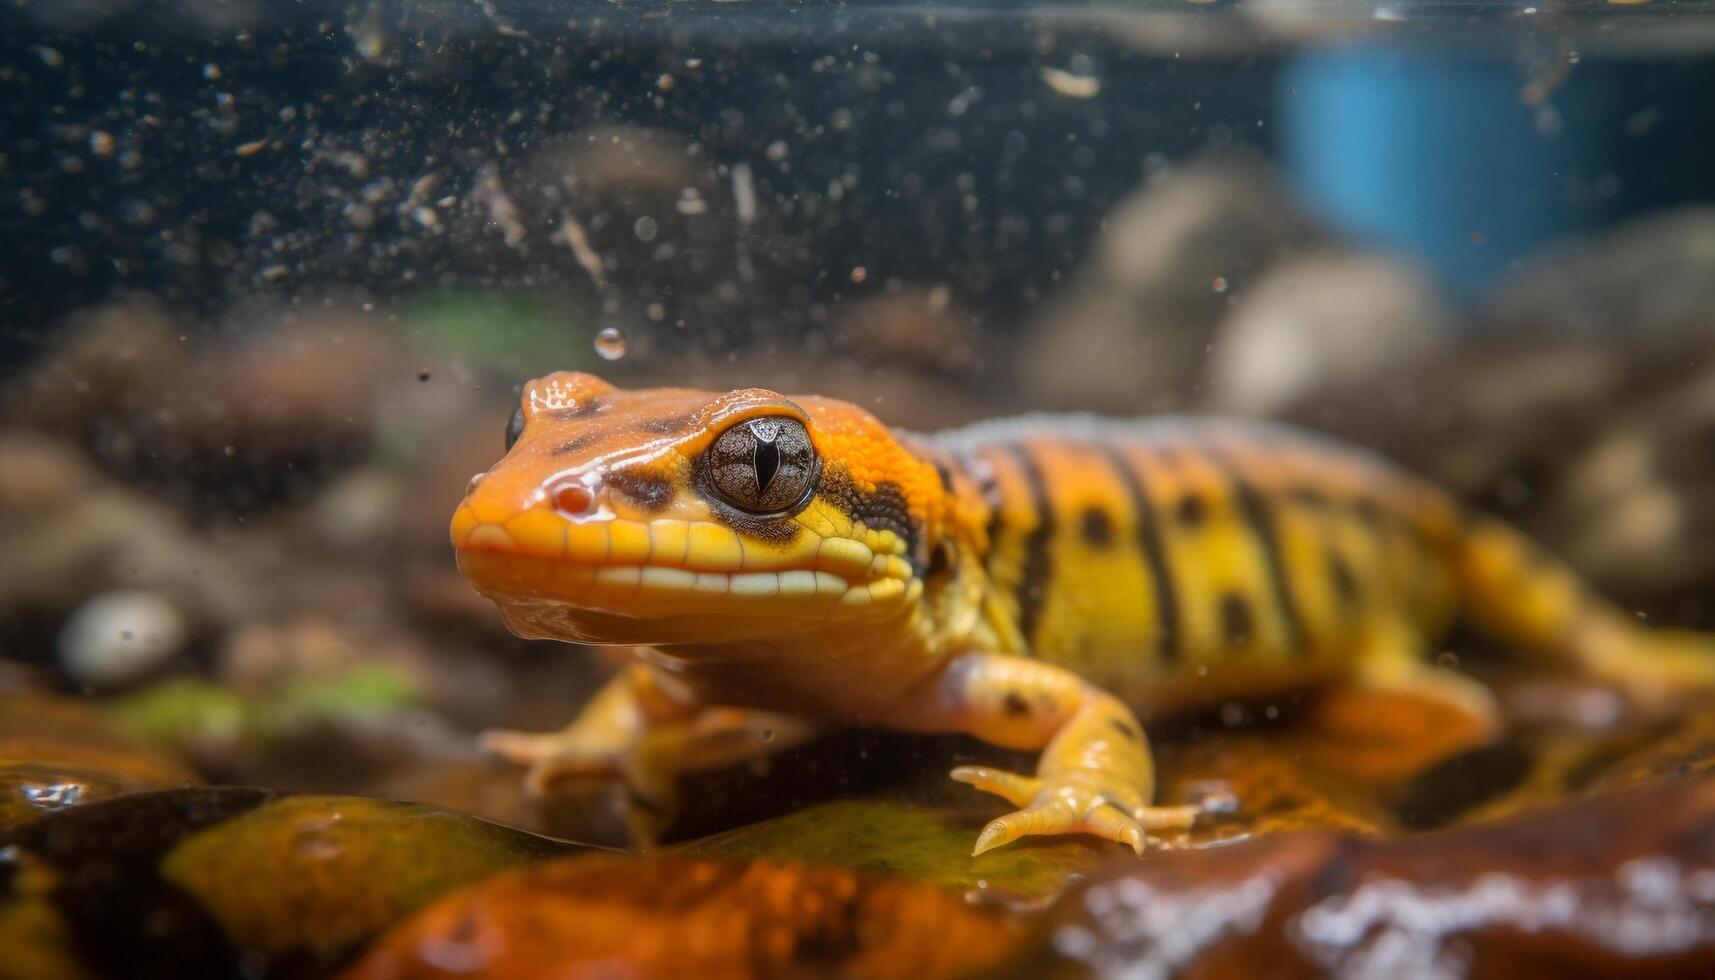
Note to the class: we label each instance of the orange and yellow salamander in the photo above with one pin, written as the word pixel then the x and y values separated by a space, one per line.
pixel 1029 582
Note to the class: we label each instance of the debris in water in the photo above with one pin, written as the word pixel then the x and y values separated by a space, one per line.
pixel 1070 85
pixel 744 193
pixel 573 235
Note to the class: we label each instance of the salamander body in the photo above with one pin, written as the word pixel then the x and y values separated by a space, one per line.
pixel 1032 582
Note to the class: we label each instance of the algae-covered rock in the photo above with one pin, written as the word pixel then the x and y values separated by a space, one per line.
pixel 213 882
pixel 679 916
pixel 339 868
pixel 919 842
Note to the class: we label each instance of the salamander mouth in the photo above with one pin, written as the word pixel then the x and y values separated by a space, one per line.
pixel 660 568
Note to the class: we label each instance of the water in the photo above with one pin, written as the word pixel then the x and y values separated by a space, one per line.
pixel 274 275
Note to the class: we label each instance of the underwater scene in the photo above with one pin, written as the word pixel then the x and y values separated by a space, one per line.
pixel 751 488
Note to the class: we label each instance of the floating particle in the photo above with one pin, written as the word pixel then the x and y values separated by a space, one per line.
pixel 572 234
pixel 1071 86
pixel 963 101
pixel 423 375
pixel 211 71
pixel 644 228
pixel 1219 284
pixel 690 202
pixel 250 149
pixel 102 143
pixel 859 273
pixel 744 193
pixel 610 344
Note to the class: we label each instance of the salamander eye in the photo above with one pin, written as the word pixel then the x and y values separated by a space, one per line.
pixel 514 427
pixel 764 466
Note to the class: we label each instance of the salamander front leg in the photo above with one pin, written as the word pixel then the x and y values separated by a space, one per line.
pixel 1095 775
pixel 642 729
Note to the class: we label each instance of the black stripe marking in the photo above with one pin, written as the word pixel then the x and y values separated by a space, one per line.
pixel 1345 583
pixel 1149 542
pixel 1033 583
pixel 988 484
pixel 1257 514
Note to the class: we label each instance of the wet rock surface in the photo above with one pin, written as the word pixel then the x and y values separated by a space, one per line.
pixel 57 753
pixel 1591 889
pixel 225 881
pixel 679 916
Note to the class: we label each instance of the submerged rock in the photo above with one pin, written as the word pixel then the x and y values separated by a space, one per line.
pixel 57 753
pixel 1651 277
pixel 1619 885
pixel 929 844
pixel 1132 336
pixel 1327 318
pixel 676 916
pixel 220 882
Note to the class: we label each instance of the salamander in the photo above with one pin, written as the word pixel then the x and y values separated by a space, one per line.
pixel 1034 583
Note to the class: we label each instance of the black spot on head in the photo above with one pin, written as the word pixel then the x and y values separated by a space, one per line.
pixel 946 477
pixel 577 443
pixel 587 407
pixel 649 491
pixel 667 425
pixel 1015 705
pixel 1345 583
pixel 883 510
pixel 1237 625
pixel 1124 728
pixel 1096 527
pixel 940 561
pixel 1192 510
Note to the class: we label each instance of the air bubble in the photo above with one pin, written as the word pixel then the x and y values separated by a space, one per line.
pixel 610 344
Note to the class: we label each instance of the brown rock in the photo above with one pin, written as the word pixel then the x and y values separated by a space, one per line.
pixel 680 917
pixel 57 752
pixel 1619 885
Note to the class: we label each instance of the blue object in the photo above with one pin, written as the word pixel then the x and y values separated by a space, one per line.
pixel 1433 152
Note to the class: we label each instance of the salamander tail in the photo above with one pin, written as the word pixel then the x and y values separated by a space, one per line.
pixel 1517 593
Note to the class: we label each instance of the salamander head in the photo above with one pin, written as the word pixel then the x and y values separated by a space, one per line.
pixel 675 516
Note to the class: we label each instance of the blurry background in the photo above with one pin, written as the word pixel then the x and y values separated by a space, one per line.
pixel 272 273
